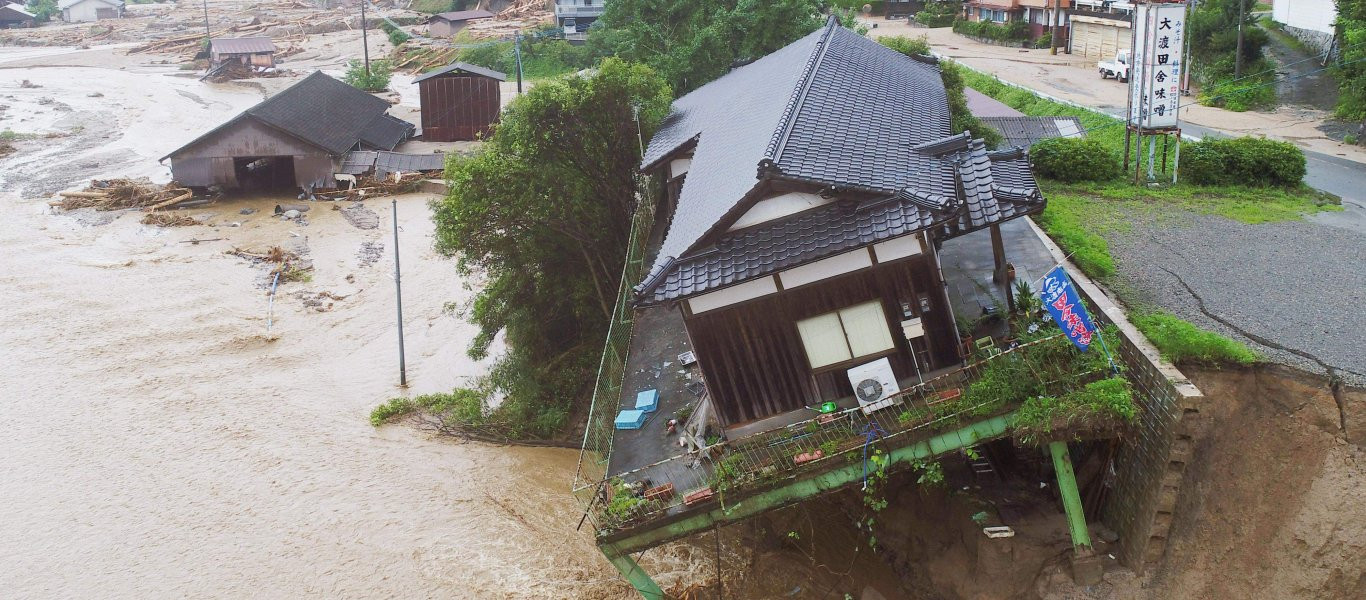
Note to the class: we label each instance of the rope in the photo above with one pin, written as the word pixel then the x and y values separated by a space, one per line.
pixel 871 431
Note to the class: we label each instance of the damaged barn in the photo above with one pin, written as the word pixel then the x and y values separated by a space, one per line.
pixel 296 138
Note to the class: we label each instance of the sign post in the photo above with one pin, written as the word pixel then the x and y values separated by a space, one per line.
pixel 1158 63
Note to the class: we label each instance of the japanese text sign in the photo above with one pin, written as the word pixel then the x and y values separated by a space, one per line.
pixel 1158 63
pixel 1063 302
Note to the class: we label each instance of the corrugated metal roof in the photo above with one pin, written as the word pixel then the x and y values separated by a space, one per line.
pixel 19 8
pixel 362 161
pixel 461 15
pixel 246 45
pixel 464 67
pixel 1025 131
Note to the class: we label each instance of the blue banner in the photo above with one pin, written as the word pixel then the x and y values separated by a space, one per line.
pixel 1064 303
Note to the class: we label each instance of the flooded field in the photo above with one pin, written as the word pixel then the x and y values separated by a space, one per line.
pixel 167 433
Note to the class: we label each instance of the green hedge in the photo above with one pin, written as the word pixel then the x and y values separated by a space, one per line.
pixel 1074 159
pixel 1242 161
pixel 938 14
pixel 1011 31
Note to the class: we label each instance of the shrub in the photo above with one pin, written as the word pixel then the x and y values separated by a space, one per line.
pixel 1074 159
pixel 1044 41
pixel 1012 31
pixel 1180 341
pixel 1244 161
pixel 1349 139
pixel 377 80
pixel 910 46
pixel 396 36
pixel 937 13
pixel 394 408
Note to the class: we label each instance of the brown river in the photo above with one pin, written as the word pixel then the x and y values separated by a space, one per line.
pixel 165 431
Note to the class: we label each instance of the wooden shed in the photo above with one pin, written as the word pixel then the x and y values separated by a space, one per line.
pixel 447 24
pixel 250 51
pixel 296 138
pixel 460 101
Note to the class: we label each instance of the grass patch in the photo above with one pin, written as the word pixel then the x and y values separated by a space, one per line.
pixel 1065 221
pixel 462 407
pixel 1099 403
pixel 1243 204
pixel 1180 341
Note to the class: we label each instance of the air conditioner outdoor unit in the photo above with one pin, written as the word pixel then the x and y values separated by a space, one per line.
pixel 875 385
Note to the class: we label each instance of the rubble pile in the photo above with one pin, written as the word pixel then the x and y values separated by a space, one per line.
pixel 118 194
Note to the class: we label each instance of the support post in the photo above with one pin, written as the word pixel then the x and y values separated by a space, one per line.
pixel 364 39
pixel 1071 498
pixel 398 293
pixel 639 579
pixel 999 275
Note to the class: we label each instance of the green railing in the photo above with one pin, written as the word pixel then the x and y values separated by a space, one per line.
pixel 597 436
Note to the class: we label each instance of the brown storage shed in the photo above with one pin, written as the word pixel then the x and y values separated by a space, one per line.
pixel 460 101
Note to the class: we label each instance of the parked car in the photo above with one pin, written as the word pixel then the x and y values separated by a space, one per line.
pixel 1117 68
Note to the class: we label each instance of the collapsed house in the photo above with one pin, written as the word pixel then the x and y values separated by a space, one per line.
pixel 296 138
pixel 460 101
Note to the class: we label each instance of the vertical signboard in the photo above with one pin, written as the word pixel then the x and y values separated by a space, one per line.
pixel 1158 62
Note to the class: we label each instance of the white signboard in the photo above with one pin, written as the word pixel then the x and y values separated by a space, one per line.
pixel 874 385
pixel 1158 65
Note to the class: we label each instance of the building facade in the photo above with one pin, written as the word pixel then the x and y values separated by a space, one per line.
pixel 15 15
pixel 459 102
pixel 1311 21
pixel 80 11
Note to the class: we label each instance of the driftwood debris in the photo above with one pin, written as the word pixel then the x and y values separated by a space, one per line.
pixel 118 194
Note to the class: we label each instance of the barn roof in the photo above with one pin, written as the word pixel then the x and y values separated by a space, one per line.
pixel 461 15
pixel 461 67
pixel 244 45
pixel 836 111
pixel 19 8
pixel 326 113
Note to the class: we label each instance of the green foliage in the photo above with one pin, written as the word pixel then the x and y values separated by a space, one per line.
pixel 1044 41
pixel 1088 249
pixel 1182 342
pixel 1096 404
pixel 1074 159
pixel 44 10
pixel 960 117
pixel 1013 31
pixel 938 13
pixel 1213 30
pixel 542 213
pixel 394 408
pixel 376 80
pixel 438 6
pixel 396 36
pixel 931 473
pixel 1349 139
pixel 1350 69
pixel 691 43
pixel 542 56
pixel 1245 160
pixel 625 504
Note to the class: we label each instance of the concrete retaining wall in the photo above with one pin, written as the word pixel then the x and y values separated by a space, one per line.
pixel 1151 462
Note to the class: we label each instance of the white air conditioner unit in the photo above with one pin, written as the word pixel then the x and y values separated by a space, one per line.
pixel 874 385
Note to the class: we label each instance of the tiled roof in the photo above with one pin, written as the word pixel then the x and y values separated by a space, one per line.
pixel 833 108
pixel 786 243
pixel 460 66
pixel 1024 131
pixel 461 15
pixel 246 45
pixel 326 113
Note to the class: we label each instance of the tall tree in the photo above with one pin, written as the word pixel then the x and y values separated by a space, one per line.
pixel 542 214
pixel 691 42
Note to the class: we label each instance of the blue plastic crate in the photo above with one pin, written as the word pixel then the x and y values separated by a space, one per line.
pixel 631 419
pixel 647 400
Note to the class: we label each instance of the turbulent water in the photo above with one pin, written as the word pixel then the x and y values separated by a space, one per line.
pixel 166 432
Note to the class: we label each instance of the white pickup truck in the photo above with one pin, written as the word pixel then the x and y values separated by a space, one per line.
pixel 1117 68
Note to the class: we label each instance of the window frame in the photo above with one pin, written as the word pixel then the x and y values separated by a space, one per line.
pixel 853 360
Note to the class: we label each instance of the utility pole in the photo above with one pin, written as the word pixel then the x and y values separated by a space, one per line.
pixel 398 292
pixel 207 33
pixel 517 50
pixel 1238 59
pixel 365 40
pixel 1054 22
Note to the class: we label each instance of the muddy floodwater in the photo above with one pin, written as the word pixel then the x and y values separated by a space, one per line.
pixel 166 432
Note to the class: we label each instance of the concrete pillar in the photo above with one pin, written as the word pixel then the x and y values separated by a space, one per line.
pixel 639 579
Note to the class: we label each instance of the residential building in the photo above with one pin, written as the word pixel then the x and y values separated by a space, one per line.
pixel 15 15
pixel 80 11
pixel 1101 35
pixel 459 102
pixel 1311 21
pixel 249 51
pixel 576 15
pixel 447 24
pixel 296 138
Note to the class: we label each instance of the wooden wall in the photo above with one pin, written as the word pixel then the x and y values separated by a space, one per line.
pixel 458 107
pixel 753 359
